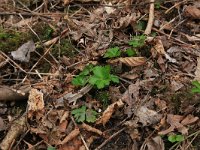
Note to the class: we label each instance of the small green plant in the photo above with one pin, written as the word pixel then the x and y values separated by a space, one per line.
pixel 51 148
pixel 99 76
pixel 130 52
pixel 196 89
pixel 112 52
pixel 137 41
pixel 175 138
pixel 82 114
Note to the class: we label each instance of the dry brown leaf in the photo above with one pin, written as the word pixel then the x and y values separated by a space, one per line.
pixel 91 129
pixel 108 112
pixel 35 101
pixel 70 136
pixel 193 38
pixel 155 143
pixel 189 119
pixel 192 11
pixel 133 61
pixel 147 116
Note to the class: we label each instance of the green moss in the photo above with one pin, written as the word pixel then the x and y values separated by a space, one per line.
pixel 64 48
pixel 10 40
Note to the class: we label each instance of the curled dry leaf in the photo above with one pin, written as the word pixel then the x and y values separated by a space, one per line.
pixel 133 61
pixel 70 136
pixel 109 111
pixel 91 129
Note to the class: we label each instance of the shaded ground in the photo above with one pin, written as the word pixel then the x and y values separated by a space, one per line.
pixel 99 75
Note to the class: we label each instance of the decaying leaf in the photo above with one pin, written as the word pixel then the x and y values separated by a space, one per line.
pixel 155 143
pixel 23 52
pixel 91 129
pixel 147 116
pixel 192 11
pixel 178 122
pixel 193 38
pixel 35 102
pixel 108 112
pixel 197 72
pixel 70 136
pixel 133 61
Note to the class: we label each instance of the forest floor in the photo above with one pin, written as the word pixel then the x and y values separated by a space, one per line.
pixel 100 75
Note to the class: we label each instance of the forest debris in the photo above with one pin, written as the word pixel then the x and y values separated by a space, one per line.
pixel 155 143
pixel 17 128
pixel 8 94
pixel 178 122
pixel 108 112
pixel 193 38
pixel 197 72
pixel 193 12
pixel 23 52
pixel 147 116
pixel 91 129
pixel 35 102
pixel 2 125
pixel 133 61
pixel 70 136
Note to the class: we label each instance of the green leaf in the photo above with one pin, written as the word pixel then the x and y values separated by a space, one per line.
pixel 138 41
pixel 196 89
pixel 175 138
pixel 91 115
pixel 79 80
pixel 172 138
pixel 114 79
pixel 179 138
pixel 131 52
pixel 141 25
pixel 87 70
pixel 112 52
pixel 51 148
pixel 79 114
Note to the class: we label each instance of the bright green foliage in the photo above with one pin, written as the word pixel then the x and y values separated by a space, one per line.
pixel 131 52
pixel 51 148
pixel 102 77
pixel 137 41
pixel 176 138
pixel 196 89
pixel 112 52
pixel 157 5
pixel 79 80
pixel 99 76
pixel 82 114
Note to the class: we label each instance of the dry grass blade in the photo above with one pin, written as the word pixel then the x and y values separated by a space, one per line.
pixel 133 61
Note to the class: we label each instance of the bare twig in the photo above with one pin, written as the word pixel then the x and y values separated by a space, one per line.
pixel 151 18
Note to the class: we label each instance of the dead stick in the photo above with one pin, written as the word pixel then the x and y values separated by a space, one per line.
pixel 151 18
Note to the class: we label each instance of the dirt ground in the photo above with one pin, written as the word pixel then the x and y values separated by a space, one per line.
pixel 100 75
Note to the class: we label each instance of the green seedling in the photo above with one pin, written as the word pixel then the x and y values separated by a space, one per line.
pixel 175 138
pixel 99 76
pixel 112 52
pixel 130 52
pixel 137 41
pixel 82 114
pixel 196 89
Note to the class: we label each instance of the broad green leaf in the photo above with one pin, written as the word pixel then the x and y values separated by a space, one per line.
pixel 114 79
pixel 79 114
pixel 91 115
pixel 196 89
pixel 138 41
pixel 179 138
pixel 172 138
pixel 79 80
pixel 131 52
pixel 87 70
pixel 102 72
pixel 112 52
